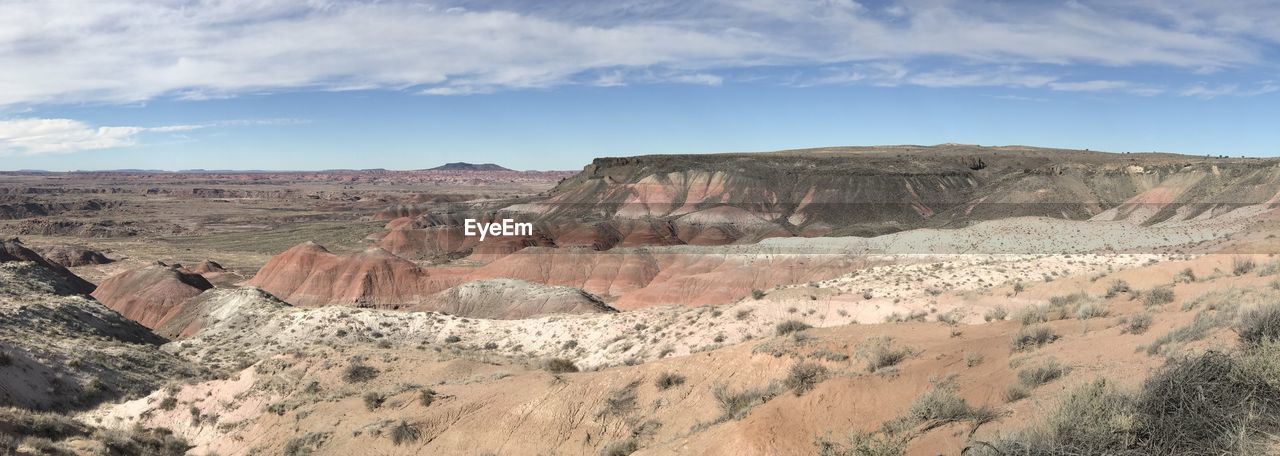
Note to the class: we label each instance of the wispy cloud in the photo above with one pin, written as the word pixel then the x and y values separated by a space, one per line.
pixel 118 51
pixel 1229 90
pixel 37 136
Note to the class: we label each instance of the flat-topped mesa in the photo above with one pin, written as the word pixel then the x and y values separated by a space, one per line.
pixel 12 249
pixel 309 275
pixel 719 199
pixel 152 294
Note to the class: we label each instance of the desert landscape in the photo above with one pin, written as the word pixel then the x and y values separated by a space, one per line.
pixel 887 300
pixel 639 228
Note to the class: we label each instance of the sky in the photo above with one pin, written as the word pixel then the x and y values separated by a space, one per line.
pixel 551 84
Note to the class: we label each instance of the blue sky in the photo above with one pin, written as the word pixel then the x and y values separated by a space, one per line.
pixel 263 84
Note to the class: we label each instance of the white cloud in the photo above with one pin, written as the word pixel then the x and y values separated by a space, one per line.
pixel 118 51
pixel 53 136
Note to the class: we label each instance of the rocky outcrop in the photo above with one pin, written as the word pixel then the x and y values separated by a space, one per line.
pixel 72 255
pixel 229 306
pixel 65 352
pixel 152 294
pixel 12 250
pixel 508 299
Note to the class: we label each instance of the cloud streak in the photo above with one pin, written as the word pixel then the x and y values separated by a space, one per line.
pixel 38 136
pixel 116 51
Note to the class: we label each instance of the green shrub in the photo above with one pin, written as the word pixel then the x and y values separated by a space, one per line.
pixel 757 294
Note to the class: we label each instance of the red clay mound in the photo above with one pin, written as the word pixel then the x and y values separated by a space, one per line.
pixel 12 250
pixel 150 295
pixel 309 275
pixel 72 255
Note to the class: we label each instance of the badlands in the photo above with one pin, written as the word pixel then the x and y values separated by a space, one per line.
pixel 890 300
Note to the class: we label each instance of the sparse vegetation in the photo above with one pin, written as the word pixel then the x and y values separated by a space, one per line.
pixel 937 407
pixel 559 366
pixel 1260 325
pixel 735 405
pixel 1136 323
pixel 359 372
pixel 1092 310
pixel 620 448
pixel 427 397
pixel 1208 404
pixel 1117 286
pixel 374 400
pixel 1157 296
pixel 1242 265
pixel 757 294
pixel 405 432
pixel 881 353
pixel 1035 376
pixel 996 313
pixel 668 380
pixel 804 376
pixel 1269 269
pixel 621 402
pixel 1030 337
pixel 791 326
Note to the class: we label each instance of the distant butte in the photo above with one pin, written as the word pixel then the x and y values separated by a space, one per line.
pixel 463 166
